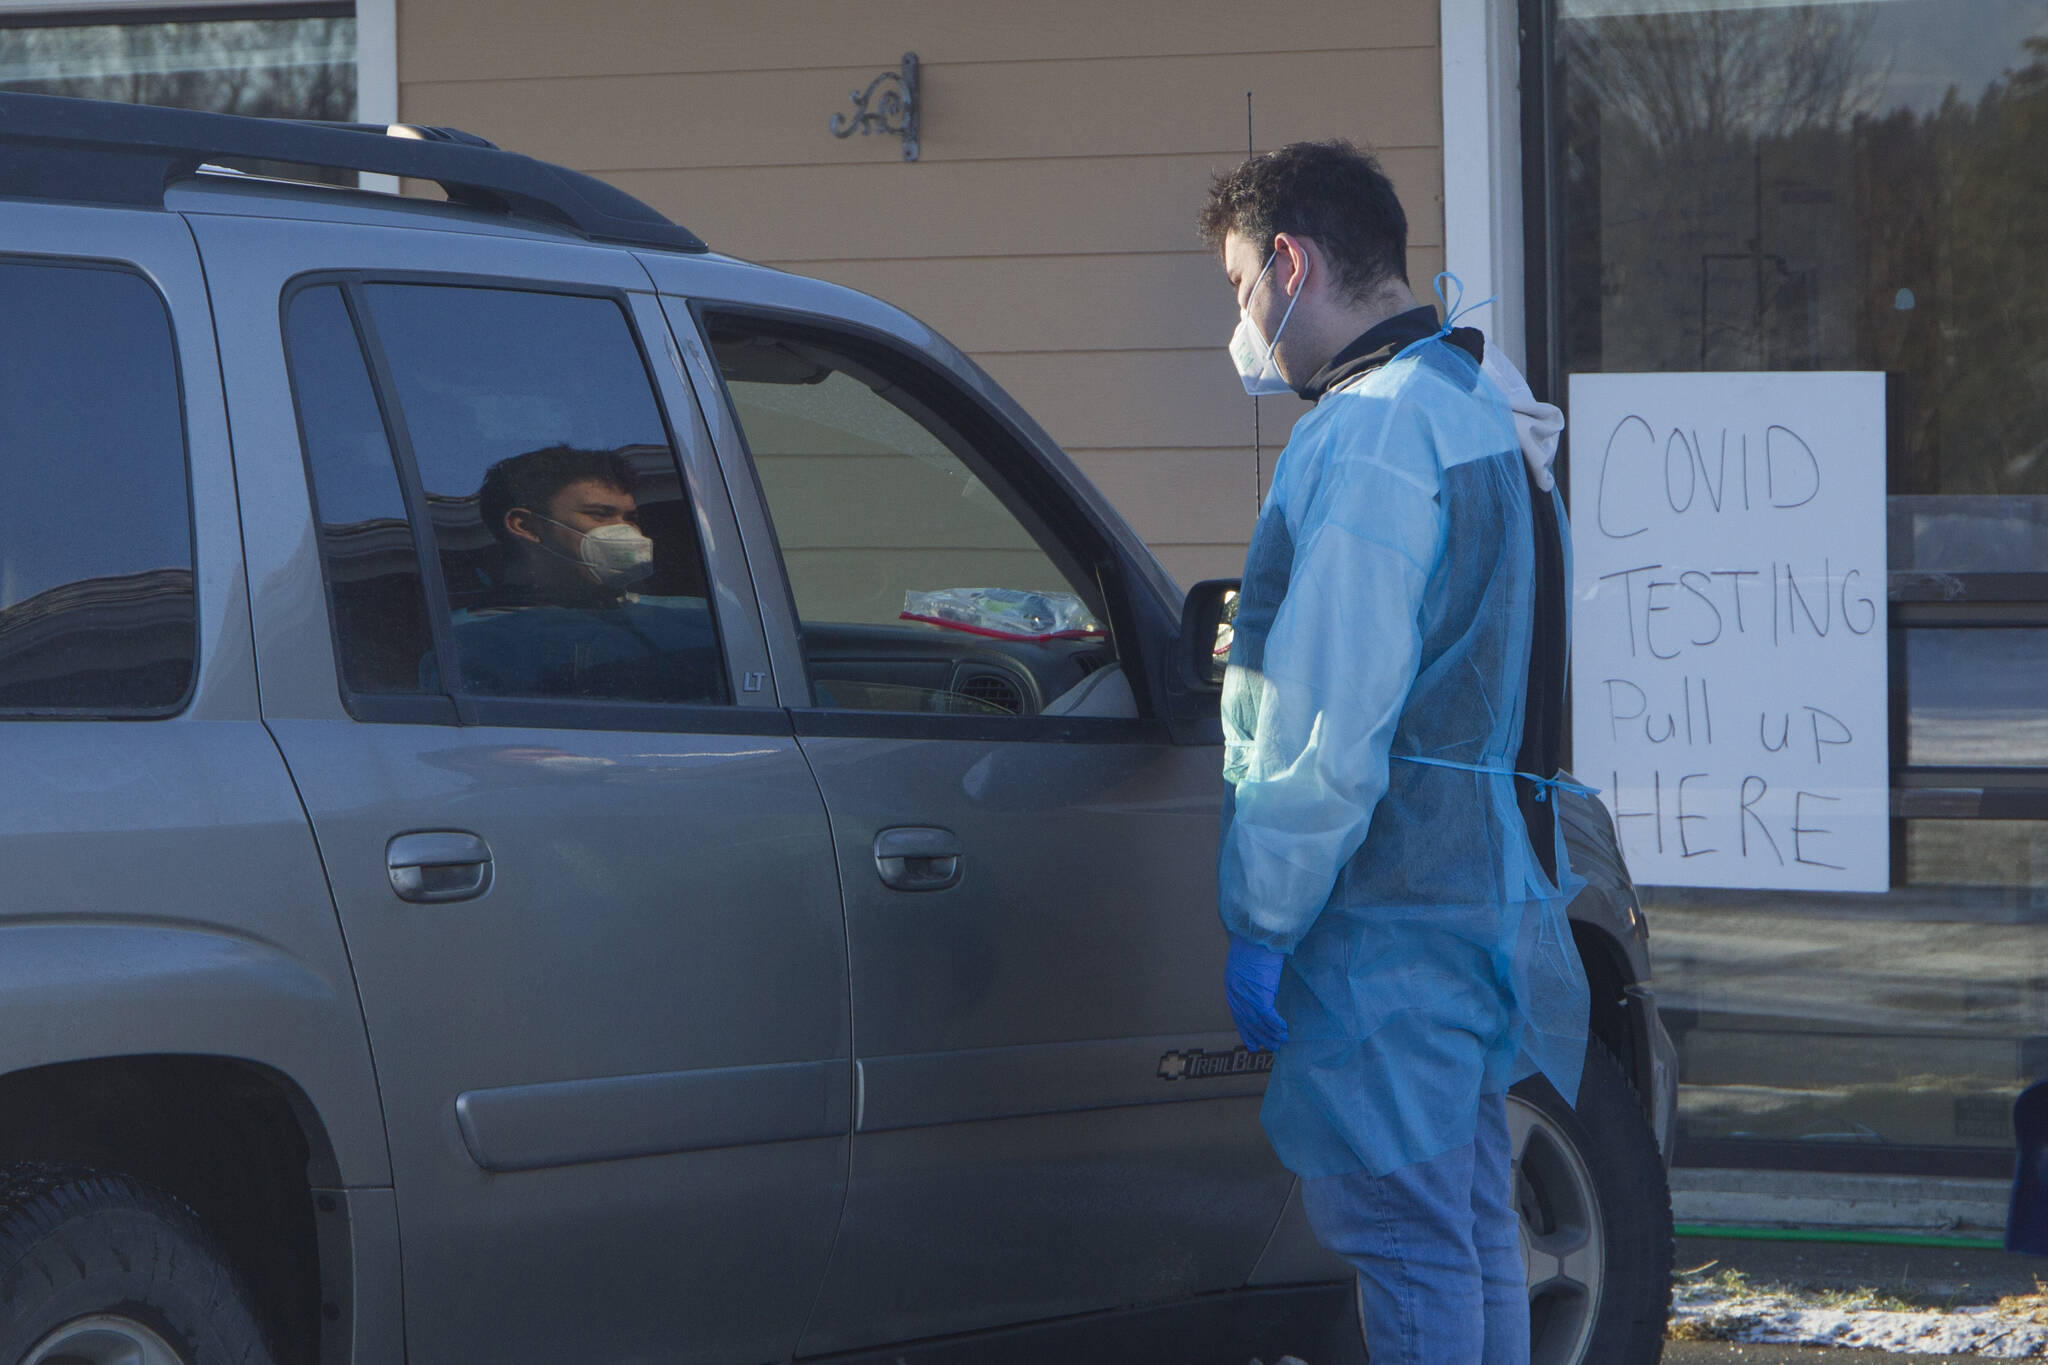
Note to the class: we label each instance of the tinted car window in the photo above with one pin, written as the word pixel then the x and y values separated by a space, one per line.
pixel 97 613
pixel 366 544
pixel 559 520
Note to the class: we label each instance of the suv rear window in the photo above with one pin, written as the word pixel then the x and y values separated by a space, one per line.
pixel 97 612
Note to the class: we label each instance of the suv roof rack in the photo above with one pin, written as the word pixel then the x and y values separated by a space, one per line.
pixel 52 147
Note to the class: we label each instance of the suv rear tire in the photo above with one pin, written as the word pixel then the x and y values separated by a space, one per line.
pixel 1596 1219
pixel 99 1268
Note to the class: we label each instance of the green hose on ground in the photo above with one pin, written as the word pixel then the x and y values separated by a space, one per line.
pixel 1844 1236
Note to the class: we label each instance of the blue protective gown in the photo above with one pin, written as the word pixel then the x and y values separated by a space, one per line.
pixel 1385 618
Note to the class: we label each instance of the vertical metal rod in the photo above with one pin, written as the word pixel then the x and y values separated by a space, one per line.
pixel 1258 445
pixel 1756 245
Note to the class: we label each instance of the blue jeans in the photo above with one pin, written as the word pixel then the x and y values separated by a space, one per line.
pixel 1437 1248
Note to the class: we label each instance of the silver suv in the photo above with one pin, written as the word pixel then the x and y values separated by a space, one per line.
pixel 570 797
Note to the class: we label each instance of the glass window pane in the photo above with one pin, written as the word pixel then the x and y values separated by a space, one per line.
pixel 1959 533
pixel 918 585
pixel 300 67
pixel 565 538
pixel 1977 697
pixel 1847 186
pixel 366 544
pixel 1913 1017
pixel 96 604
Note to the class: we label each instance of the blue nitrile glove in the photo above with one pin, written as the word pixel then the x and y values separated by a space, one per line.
pixel 1251 978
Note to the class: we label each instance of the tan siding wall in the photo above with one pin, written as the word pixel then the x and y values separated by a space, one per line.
pixel 1048 226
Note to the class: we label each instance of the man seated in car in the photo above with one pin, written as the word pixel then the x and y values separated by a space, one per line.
pixel 561 619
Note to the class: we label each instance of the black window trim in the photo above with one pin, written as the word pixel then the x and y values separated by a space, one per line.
pixel 1050 513
pixel 433 583
pixel 424 708
pixel 457 706
pixel 184 701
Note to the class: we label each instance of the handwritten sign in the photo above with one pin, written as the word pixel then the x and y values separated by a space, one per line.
pixel 1729 666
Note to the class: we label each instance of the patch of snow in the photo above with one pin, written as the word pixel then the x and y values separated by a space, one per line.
pixel 1767 1317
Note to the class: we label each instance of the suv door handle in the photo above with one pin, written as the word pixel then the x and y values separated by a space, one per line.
pixel 438 865
pixel 912 858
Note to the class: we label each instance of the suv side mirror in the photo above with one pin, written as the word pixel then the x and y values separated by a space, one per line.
pixel 1207 626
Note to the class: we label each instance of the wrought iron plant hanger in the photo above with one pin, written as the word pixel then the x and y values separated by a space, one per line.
pixel 888 105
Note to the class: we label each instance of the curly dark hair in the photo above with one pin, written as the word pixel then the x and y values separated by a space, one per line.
pixel 532 480
pixel 1330 192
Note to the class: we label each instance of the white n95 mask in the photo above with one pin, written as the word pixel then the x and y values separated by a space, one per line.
pixel 617 554
pixel 1251 352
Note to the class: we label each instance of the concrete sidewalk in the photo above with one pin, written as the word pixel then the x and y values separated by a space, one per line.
pixel 1817 1200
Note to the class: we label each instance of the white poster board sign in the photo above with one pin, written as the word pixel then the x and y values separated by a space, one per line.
pixel 1729 664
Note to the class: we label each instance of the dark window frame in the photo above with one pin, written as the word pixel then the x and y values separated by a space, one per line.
pixel 423 708
pixel 184 702
pixel 457 706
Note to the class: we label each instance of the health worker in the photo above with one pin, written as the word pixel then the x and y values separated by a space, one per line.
pixel 1397 931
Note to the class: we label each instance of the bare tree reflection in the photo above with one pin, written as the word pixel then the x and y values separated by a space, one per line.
pixel 1737 199
pixel 269 68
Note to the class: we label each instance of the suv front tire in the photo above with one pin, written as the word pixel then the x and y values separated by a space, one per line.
pixel 1596 1219
pixel 99 1269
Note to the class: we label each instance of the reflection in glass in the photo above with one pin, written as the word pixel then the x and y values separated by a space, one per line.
pixel 299 67
pixel 1842 186
pixel 1960 533
pixel 870 504
pixel 366 544
pixel 96 600
pixel 906 558
pixel 567 546
pixel 1909 1018
pixel 283 68
pixel 1977 697
pixel 1848 186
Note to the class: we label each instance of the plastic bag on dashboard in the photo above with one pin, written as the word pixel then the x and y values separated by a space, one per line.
pixel 1004 613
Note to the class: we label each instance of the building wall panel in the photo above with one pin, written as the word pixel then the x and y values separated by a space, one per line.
pixel 1047 228
pixel 442 40
pixel 971 208
pixel 975 110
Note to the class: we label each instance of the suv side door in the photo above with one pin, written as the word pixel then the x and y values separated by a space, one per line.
pixel 588 893
pixel 1027 858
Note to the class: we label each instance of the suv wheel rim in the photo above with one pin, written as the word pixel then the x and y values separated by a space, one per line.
pixel 1564 1251
pixel 107 1339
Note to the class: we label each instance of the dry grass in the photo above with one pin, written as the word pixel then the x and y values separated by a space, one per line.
pixel 1740 1301
pixel 2027 1307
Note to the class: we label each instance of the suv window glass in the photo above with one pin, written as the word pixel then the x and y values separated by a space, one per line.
pixel 917 580
pixel 97 612
pixel 560 523
pixel 366 545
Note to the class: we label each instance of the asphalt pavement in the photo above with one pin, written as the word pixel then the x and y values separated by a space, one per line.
pixel 1930 1276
